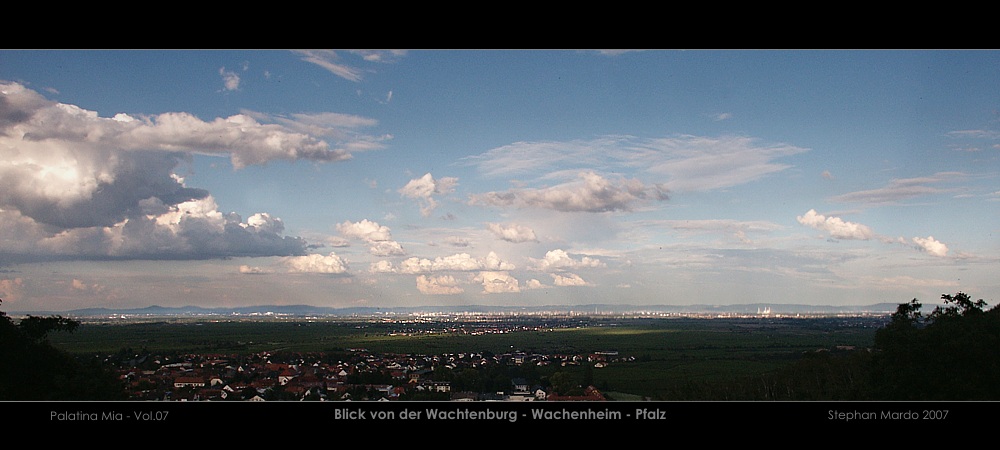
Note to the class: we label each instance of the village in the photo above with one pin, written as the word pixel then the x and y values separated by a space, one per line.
pixel 360 375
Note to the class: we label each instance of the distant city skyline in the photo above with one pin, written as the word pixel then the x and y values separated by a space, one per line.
pixel 339 178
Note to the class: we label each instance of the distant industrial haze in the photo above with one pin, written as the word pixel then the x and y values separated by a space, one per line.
pixel 397 179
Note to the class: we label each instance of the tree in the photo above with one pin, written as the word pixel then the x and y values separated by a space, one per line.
pixel 32 369
pixel 951 354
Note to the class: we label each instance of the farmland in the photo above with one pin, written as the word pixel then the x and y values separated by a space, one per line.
pixel 656 357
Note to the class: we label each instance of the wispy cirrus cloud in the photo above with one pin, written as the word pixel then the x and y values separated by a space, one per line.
pixel 333 62
pixel 901 189
pixel 975 134
pixel 329 60
pixel 677 163
pixel 741 230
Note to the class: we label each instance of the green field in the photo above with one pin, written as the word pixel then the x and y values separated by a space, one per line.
pixel 668 354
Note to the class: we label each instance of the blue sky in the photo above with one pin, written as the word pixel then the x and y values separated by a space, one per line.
pixel 523 177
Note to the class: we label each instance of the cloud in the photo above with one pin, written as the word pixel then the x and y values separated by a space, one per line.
pixel 190 230
pixel 457 262
pixel 722 116
pixel 615 52
pixel 975 134
pixel 424 188
pixel 365 230
pixel 82 286
pixel 12 290
pixel 66 167
pixel 343 129
pixel 316 263
pixel 265 222
pixel 840 229
pixel 381 56
pixel 837 227
pixel 382 267
pixel 827 175
pixel 533 284
pixel 252 270
pixel 558 259
pixel 497 282
pixel 689 163
pixel 568 280
pixel 378 236
pixel 36 126
pixel 904 280
pixel 329 60
pixel 230 80
pixel 900 189
pixel 456 241
pixel 715 225
pixel 386 248
pixel 931 245
pixel 512 232
pixel 442 285
pixel 592 193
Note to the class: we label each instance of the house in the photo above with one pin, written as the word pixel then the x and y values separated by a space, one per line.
pixel 181 382
pixel 438 386
pixel 520 386
pixel 285 376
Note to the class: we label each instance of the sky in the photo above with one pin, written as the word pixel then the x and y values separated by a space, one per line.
pixel 388 178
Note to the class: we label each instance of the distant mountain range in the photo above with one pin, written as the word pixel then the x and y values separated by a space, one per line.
pixel 307 310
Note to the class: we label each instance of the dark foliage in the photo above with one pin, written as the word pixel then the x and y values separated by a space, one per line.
pixel 32 369
pixel 951 354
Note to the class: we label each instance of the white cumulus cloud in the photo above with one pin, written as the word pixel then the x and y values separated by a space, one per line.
pixel 441 285
pixel 837 227
pixel 365 230
pixel 457 262
pixel 424 188
pixel 193 229
pixel 570 279
pixel 378 236
pixel 558 259
pixel 81 186
pixel 230 79
pixel 497 282
pixel 316 263
pixel 382 266
pixel 252 270
pixel 512 232
pixel 931 246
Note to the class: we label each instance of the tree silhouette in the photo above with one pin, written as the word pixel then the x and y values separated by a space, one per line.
pixel 32 369
pixel 951 354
